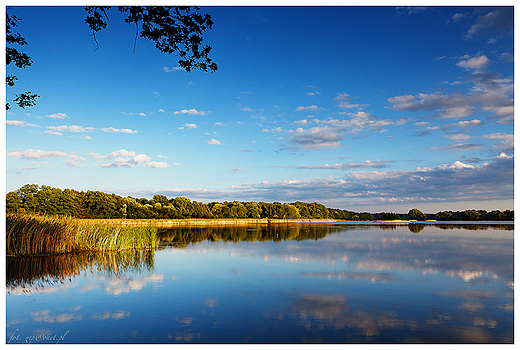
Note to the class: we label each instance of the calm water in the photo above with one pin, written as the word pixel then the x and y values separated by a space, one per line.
pixel 276 284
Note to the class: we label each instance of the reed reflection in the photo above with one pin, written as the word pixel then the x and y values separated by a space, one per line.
pixel 36 272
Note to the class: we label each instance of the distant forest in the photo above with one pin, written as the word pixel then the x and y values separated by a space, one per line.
pixel 100 205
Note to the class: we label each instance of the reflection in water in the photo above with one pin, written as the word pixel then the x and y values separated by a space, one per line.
pixel 342 283
pixel 180 237
pixel 30 272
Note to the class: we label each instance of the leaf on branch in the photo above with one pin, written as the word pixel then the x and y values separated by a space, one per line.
pixel 26 99
pixel 174 29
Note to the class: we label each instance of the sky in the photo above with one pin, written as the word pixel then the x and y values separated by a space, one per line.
pixel 366 109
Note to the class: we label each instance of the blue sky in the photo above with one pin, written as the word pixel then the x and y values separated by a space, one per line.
pixel 359 108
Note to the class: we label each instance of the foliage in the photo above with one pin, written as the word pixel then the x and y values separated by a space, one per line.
pixel 19 59
pixel 416 214
pixel 174 29
pixel 100 205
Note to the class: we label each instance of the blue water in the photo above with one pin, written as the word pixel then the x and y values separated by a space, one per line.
pixel 349 284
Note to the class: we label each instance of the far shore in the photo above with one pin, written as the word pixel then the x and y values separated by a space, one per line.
pixel 166 223
pixel 171 223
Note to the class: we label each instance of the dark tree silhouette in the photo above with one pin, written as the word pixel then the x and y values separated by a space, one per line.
pixel 19 59
pixel 174 29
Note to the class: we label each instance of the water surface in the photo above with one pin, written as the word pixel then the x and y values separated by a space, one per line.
pixel 308 283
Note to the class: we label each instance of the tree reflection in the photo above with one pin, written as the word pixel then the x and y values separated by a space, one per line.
pixel 181 237
pixel 416 228
pixel 30 272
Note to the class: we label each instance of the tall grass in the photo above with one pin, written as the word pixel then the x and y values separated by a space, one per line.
pixel 35 234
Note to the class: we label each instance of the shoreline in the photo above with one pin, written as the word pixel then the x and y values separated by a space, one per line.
pixel 197 222
pixel 167 223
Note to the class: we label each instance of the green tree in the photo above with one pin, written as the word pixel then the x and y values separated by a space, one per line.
pixel 303 209
pixel 416 214
pixel 290 211
pixel 31 203
pixel 13 201
pixel 160 199
pixel 471 215
pixel 253 210
pixel 237 210
pixel 26 189
pixel 19 59
pixel 184 207
pixel 444 216
pixel 174 29
pixel 200 210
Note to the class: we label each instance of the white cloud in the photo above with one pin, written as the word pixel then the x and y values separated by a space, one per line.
pixel 458 137
pixel 157 165
pixel 459 147
pixel 122 153
pixel 348 166
pixel 57 116
pixel 214 142
pixel 247 109
pixel 457 112
pixel 190 126
pixel 191 111
pixel 74 160
pixel 173 69
pixel 128 159
pixel 490 91
pixel 446 183
pixel 468 123
pixel 141 158
pixel 125 159
pixel 19 123
pixel 307 108
pixel 96 156
pixel 161 156
pixel 35 154
pixel 71 128
pixel 345 104
pixel 123 131
pixel 277 129
pixel 476 63
pixel 507 141
pixel 499 20
pixel 342 97
pixel 316 138
pixel 330 134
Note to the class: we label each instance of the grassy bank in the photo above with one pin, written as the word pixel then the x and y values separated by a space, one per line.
pixel 35 234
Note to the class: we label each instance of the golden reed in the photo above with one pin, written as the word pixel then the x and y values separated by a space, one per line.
pixel 28 234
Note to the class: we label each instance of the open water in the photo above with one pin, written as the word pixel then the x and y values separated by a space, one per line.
pixel 312 283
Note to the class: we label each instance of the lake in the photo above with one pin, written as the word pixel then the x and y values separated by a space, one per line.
pixel 309 283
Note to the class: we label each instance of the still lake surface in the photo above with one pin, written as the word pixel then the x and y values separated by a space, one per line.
pixel 311 283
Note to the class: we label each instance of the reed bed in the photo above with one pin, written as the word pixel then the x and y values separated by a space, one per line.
pixel 28 234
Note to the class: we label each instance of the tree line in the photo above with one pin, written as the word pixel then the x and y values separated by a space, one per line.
pixel 32 198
